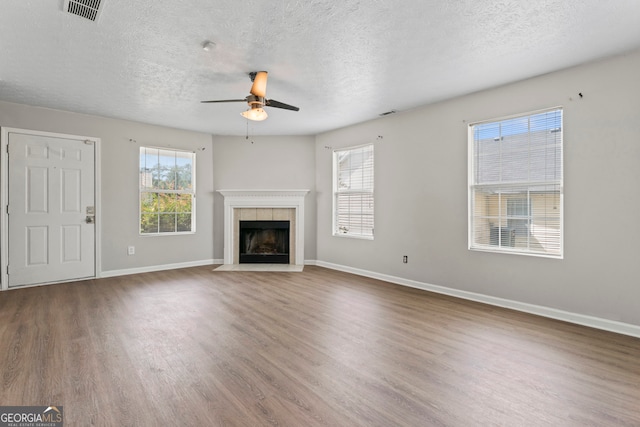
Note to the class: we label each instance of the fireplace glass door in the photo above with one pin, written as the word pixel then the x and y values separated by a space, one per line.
pixel 264 242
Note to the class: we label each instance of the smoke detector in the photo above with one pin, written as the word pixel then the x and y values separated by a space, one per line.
pixel 88 9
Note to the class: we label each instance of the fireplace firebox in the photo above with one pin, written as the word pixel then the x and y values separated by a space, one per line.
pixel 264 242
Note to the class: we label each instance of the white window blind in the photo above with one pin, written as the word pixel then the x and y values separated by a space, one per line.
pixel 167 191
pixel 515 185
pixel 353 192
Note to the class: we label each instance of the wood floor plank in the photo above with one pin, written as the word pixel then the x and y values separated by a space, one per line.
pixel 196 347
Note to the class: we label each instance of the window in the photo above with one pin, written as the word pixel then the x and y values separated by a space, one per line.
pixel 167 191
pixel 353 192
pixel 515 184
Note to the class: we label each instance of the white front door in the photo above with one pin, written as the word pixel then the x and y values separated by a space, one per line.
pixel 51 208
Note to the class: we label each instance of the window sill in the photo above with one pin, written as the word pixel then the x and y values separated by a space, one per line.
pixel 179 233
pixel 515 252
pixel 353 236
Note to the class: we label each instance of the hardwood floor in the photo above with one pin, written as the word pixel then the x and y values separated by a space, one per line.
pixel 194 347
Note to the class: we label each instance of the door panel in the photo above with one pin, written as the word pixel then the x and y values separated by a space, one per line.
pixel 37 246
pixel 37 197
pixel 51 189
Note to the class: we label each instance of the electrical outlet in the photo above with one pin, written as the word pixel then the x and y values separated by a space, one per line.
pixel 405 259
pixel 131 250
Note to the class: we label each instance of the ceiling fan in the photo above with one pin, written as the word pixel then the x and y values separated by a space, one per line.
pixel 258 98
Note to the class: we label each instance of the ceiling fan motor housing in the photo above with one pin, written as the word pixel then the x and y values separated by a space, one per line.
pixel 256 101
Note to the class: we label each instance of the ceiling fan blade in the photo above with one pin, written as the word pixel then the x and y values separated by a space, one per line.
pixel 277 104
pixel 225 100
pixel 259 87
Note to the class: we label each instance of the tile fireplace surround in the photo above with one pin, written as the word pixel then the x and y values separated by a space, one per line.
pixel 260 205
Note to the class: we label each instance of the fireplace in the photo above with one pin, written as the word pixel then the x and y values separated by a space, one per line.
pixel 263 205
pixel 264 242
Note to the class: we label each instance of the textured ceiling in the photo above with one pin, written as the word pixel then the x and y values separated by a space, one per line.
pixel 341 62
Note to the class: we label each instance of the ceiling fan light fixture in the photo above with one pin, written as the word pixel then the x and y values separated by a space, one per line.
pixel 255 113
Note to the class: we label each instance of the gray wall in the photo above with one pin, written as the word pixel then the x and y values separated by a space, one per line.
pixel 421 194
pixel 267 163
pixel 119 189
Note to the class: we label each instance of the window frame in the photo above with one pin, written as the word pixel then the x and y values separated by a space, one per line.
pixel 364 191
pixel 188 191
pixel 530 184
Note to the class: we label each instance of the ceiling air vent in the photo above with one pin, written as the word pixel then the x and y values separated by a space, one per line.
pixel 88 9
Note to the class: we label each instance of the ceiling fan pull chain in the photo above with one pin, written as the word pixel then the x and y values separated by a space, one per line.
pixel 247 137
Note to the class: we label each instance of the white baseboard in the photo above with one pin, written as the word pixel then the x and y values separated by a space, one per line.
pixel 149 269
pixel 580 319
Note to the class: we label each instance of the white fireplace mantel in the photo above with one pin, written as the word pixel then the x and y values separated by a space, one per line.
pixel 293 199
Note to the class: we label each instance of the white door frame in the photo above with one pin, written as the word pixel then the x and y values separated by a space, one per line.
pixel 4 199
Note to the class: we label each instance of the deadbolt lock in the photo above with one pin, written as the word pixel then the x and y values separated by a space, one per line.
pixel 91 215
